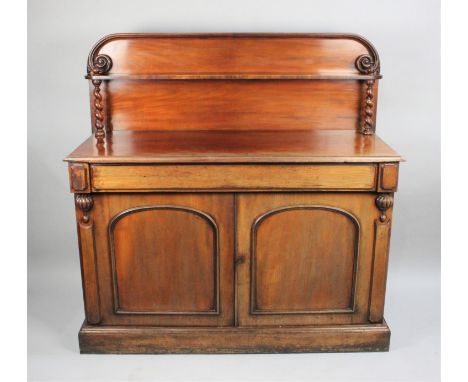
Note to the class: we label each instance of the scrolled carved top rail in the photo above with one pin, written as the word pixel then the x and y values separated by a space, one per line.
pixel 234 56
pixel 292 81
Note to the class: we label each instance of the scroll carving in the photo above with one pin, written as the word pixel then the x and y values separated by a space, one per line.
pixel 100 64
pixel 383 203
pixel 367 64
pixel 98 117
pixel 85 203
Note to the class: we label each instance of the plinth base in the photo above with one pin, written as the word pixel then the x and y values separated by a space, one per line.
pixel 152 340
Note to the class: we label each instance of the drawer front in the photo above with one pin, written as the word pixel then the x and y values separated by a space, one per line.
pixel 233 177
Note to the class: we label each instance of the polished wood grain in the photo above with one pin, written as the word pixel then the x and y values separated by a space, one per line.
pixel 317 146
pixel 328 338
pixel 233 177
pixel 165 259
pixel 156 275
pixel 379 272
pixel 234 196
pixel 310 251
pixel 232 53
pixel 88 261
pixel 388 177
pixel 79 177
pixel 336 73
pixel 89 272
pixel 310 264
pixel 234 105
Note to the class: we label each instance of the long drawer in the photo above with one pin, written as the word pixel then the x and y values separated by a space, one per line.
pixel 233 177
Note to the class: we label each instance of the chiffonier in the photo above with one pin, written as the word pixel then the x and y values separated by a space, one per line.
pixel 233 196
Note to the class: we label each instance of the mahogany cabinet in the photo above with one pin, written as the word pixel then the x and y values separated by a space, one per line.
pixel 233 196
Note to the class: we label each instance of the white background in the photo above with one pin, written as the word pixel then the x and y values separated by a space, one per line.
pixel 406 34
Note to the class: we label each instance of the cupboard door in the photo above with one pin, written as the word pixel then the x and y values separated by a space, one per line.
pixel 304 259
pixel 165 259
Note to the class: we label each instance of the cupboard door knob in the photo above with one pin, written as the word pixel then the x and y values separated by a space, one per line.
pixel 240 260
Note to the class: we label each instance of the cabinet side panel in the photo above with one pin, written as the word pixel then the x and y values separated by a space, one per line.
pixel 379 271
pixel 89 272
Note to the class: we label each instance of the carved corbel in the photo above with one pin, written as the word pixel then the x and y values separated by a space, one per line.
pixel 85 203
pixel 383 203
pixel 382 226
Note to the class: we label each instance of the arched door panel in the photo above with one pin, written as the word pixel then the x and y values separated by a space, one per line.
pixel 165 259
pixel 307 258
pixel 310 249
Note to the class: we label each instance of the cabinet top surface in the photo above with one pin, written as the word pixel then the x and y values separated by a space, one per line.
pixel 229 146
